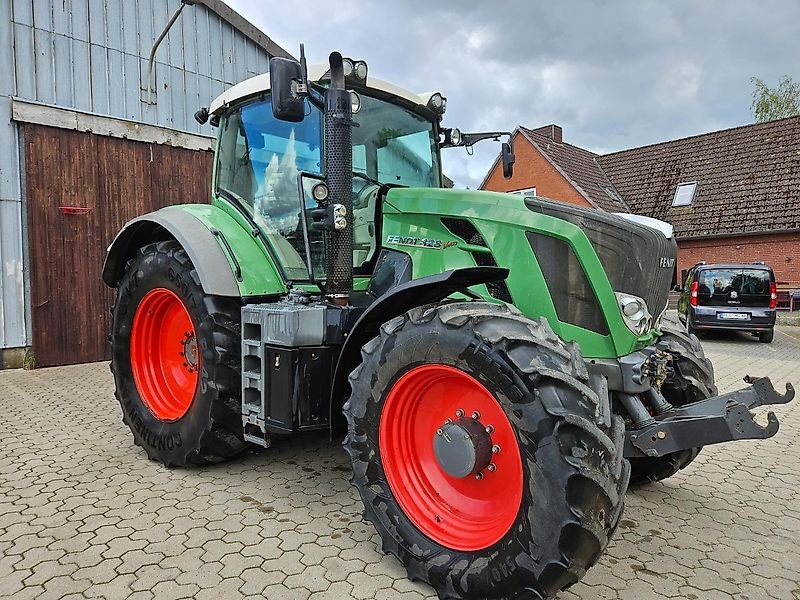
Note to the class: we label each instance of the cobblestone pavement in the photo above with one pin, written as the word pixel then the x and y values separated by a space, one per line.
pixel 83 513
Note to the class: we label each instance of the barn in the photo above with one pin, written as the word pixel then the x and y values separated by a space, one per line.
pixel 97 99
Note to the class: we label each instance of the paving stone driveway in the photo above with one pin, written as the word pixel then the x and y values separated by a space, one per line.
pixel 83 513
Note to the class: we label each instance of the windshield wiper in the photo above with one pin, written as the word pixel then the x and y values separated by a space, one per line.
pixel 369 179
pixel 376 182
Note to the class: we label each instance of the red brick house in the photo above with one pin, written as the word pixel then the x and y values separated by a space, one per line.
pixel 731 195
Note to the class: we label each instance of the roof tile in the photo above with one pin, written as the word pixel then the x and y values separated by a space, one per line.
pixel 581 168
pixel 748 179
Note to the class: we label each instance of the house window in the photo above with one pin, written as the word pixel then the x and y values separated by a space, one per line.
pixel 527 192
pixel 684 194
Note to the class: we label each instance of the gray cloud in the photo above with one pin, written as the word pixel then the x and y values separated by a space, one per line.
pixel 613 74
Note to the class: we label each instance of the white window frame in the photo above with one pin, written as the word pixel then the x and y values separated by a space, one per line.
pixel 683 201
pixel 525 192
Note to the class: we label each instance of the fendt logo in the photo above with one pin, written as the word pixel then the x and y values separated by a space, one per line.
pixel 666 262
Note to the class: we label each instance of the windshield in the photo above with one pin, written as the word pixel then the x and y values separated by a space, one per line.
pixel 750 287
pixel 394 145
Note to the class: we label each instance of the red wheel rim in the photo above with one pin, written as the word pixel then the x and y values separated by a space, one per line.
pixel 461 513
pixel 164 354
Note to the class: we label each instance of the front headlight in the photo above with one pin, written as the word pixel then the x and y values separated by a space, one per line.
pixel 635 313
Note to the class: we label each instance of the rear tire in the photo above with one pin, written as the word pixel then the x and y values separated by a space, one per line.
pixel 204 424
pixel 569 446
pixel 766 336
pixel 692 379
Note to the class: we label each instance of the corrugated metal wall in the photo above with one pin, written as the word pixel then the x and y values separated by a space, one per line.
pixel 91 55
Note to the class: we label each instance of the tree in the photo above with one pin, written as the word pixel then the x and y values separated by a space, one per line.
pixel 775 103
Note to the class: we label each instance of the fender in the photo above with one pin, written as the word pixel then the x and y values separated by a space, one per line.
pixel 215 243
pixel 395 302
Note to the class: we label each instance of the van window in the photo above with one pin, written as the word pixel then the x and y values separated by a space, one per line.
pixel 722 287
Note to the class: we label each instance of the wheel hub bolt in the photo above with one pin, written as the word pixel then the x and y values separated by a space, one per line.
pixel 490 429
pixel 478 476
pixel 495 449
pixel 491 467
pixel 448 420
pixel 459 413
pixel 476 415
pixel 439 431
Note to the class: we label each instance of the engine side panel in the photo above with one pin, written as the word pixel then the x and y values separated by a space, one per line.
pixel 414 223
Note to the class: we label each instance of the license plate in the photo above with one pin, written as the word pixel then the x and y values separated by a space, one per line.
pixel 734 316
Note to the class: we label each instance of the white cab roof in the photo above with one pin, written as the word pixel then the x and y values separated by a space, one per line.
pixel 662 226
pixel 260 83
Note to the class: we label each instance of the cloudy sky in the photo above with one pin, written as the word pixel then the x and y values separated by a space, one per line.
pixel 614 75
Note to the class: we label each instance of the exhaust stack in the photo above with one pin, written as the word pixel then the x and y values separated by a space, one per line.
pixel 339 175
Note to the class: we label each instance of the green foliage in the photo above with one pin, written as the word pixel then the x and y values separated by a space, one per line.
pixel 29 362
pixel 775 103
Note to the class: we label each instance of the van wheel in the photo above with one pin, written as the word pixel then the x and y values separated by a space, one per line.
pixel 766 336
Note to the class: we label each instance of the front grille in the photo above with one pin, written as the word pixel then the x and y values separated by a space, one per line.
pixel 570 290
pixel 632 254
pixel 466 231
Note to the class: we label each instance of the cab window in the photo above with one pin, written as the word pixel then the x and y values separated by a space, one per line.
pixel 258 160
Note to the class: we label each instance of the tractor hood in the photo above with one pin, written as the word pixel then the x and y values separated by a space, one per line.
pixel 637 256
pixel 464 203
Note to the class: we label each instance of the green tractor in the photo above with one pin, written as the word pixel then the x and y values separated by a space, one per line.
pixel 502 366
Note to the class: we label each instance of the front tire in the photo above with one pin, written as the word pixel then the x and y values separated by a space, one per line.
pixel 536 522
pixel 175 357
pixel 691 380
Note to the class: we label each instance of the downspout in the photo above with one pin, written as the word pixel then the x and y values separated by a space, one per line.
pixel 151 59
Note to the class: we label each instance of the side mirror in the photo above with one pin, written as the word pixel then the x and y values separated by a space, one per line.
pixel 508 160
pixel 287 104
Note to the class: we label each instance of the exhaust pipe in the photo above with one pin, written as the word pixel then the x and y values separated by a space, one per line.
pixel 339 175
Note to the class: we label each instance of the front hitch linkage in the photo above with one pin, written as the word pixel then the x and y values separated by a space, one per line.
pixel 711 421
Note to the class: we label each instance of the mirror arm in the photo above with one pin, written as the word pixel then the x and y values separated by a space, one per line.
pixel 300 86
pixel 314 100
pixel 471 139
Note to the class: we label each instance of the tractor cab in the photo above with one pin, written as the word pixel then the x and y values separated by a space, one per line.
pixel 273 167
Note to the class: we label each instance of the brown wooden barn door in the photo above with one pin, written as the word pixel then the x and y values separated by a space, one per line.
pixel 81 189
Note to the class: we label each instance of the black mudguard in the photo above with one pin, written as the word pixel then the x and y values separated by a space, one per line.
pixel 395 302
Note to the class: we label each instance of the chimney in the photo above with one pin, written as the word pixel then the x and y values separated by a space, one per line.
pixel 551 131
